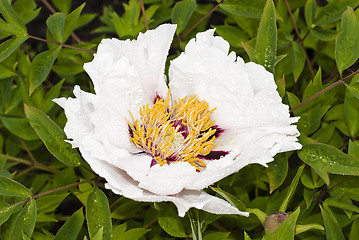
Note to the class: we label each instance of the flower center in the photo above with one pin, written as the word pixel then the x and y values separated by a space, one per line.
pixel 183 133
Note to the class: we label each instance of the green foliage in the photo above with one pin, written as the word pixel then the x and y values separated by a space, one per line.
pixel 169 221
pixel 181 13
pixel 346 47
pixel 98 215
pixel 52 136
pixel 310 47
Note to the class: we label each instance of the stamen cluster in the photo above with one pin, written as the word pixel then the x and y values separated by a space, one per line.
pixel 181 133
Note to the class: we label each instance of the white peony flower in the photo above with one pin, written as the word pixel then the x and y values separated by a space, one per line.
pixel 154 144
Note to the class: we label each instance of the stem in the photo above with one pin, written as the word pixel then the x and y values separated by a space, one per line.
pixel 28 163
pixel 299 38
pixel 60 44
pixel 117 201
pixel 150 222
pixel 28 151
pixel 144 14
pixel 53 190
pixel 52 10
pixel 48 5
pixel 340 81
pixel 195 25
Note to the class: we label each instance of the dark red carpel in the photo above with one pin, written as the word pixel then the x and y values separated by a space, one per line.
pixel 214 155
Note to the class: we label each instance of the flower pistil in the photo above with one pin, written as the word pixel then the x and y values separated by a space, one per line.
pixel 181 133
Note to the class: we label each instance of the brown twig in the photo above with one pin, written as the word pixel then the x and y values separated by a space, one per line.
pixel 52 10
pixel 29 163
pixel 48 5
pixel 150 222
pixel 115 202
pixel 299 38
pixel 198 22
pixel 340 81
pixel 144 14
pixel 63 45
pixel 53 190
pixel 28 151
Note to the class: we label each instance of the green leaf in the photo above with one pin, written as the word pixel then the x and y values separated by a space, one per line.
pixel 6 72
pixel 353 148
pixel 56 25
pixel 324 34
pixel 98 214
pixel 181 13
pixel 52 136
pixel 333 10
pixel 126 210
pixel 286 230
pixel 234 35
pixel 354 232
pixel 50 202
pixel 217 236
pixel 291 190
pixel 41 66
pixel 20 127
pixel 298 60
pixel 327 159
pixel 310 121
pixel 250 51
pixel 5 212
pixel 119 231
pixel 246 236
pixel 346 44
pixel 309 12
pixel 50 95
pixel 71 21
pixel 308 196
pixel 303 228
pixel 11 188
pixel 351 106
pixel 280 86
pixel 13 20
pixel 9 46
pixel 277 171
pixel 72 227
pixel 26 9
pixel 246 8
pixel 230 198
pixel 332 229
pixel 324 134
pixel 24 222
pixel 133 234
pixel 24 237
pixel 266 43
pixel 259 214
pixel 98 235
pixel 310 179
pixel 354 89
pixel 170 222
pixel 340 204
pixel 62 5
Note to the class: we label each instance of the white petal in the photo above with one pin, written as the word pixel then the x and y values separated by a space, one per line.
pixel 256 124
pixel 168 179
pixel 132 70
pixel 187 199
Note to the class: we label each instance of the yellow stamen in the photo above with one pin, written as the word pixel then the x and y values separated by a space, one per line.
pixel 158 131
